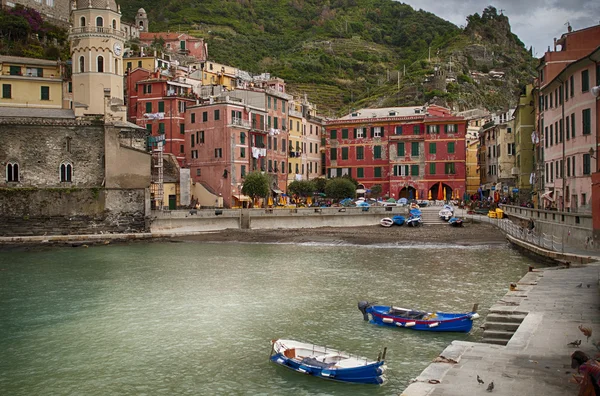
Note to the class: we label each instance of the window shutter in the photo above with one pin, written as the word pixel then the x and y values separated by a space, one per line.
pixel 372 131
pixel 416 129
pixel 355 134
pixel 437 129
pixel 382 129
pixel 396 170
pixel 405 170
pixel 446 128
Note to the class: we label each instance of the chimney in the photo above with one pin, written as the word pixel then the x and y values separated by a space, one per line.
pixel 555 44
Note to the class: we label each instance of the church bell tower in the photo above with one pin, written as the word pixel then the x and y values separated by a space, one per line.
pixel 97 44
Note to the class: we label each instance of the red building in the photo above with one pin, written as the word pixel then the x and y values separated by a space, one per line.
pixel 409 151
pixel 233 134
pixel 157 103
pixel 179 43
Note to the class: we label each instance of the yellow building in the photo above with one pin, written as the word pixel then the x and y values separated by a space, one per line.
pixel 296 128
pixel 151 63
pixel 524 126
pixel 473 178
pixel 212 73
pixel 28 82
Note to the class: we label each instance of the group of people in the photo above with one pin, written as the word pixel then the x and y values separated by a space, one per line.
pixel 588 374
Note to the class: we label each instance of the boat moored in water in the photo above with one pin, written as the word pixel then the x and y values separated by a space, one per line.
pixel 385 315
pixel 327 363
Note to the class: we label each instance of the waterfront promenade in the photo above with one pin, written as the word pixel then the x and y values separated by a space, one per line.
pixel 536 360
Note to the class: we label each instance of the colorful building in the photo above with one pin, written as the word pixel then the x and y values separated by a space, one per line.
pixel 225 139
pixel 412 152
pixel 28 82
pixel 178 43
pixel 569 133
pixel 158 103
pixel 525 136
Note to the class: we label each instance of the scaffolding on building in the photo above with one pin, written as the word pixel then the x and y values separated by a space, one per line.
pixel 156 146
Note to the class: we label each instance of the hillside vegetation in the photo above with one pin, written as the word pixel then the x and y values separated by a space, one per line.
pixel 355 53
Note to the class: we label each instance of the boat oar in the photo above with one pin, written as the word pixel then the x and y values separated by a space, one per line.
pixel 384 352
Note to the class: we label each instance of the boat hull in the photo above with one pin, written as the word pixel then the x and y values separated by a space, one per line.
pixel 327 363
pixel 442 321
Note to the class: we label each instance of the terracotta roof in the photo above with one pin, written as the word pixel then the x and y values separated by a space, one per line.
pixel 27 61
pixel 32 112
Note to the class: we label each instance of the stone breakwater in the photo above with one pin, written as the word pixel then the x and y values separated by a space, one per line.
pixel 536 359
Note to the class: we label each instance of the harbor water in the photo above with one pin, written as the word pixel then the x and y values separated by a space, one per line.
pixel 197 318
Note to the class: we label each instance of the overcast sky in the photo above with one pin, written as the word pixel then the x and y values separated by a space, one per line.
pixel 536 22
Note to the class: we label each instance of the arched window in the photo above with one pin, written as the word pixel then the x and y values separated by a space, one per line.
pixel 100 64
pixel 116 71
pixel 66 172
pixel 141 24
pixel 99 22
pixel 114 24
pixel 81 64
pixel 82 22
pixel 12 172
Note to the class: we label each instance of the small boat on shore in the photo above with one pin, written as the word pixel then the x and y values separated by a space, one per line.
pixel 455 222
pixel 385 315
pixel 327 363
pixel 398 220
pixel 386 222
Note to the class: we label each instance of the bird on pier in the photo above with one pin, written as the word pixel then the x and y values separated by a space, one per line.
pixel 480 380
pixel 587 331
pixel 490 387
pixel 579 285
pixel 575 343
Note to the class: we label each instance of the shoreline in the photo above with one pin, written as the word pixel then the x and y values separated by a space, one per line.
pixel 472 235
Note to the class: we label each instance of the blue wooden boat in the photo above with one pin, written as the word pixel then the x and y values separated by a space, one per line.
pixel 398 220
pixel 391 316
pixel 327 363
pixel 455 222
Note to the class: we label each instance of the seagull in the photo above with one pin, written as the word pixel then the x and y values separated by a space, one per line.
pixel 490 387
pixel 480 380
pixel 579 285
pixel 575 343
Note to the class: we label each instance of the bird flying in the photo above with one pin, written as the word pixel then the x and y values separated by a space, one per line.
pixel 490 387
pixel 575 343
pixel 480 380
pixel 587 331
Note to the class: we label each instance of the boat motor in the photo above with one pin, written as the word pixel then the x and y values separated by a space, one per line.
pixel 362 307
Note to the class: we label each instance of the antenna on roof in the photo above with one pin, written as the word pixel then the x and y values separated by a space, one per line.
pixel 569 28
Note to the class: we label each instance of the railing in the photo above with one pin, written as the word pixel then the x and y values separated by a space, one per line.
pixel 96 29
pixel 240 122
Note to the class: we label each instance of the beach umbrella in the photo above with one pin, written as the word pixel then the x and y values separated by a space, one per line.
pixel 270 201
pixel 440 194
pixel 429 196
pixel 309 201
pixel 417 194
pixel 444 194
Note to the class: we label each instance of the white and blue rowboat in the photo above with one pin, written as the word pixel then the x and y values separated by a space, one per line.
pixel 398 220
pixel 327 363
pixel 391 316
pixel 386 222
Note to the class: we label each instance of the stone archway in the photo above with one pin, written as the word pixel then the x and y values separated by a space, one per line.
pixel 434 190
pixel 408 192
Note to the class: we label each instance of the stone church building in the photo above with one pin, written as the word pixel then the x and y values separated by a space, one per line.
pixel 84 170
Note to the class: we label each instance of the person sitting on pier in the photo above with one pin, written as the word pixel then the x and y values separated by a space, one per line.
pixel 589 380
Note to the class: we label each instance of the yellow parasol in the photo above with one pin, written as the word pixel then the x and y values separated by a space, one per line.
pixel 429 196
pixel 270 201
pixel 417 195
pixel 444 194
pixel 309 201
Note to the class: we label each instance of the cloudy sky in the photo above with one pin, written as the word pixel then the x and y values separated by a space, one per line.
pixel 536 22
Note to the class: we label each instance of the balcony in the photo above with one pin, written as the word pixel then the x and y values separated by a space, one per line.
pixel 240 122
pixel 97 29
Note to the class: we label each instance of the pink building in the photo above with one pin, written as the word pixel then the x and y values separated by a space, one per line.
pixel 218 146
pixel 180 43
pixel 569 133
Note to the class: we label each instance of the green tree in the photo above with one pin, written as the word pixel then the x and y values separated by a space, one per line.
pixel 376 190
pixel 340 188
pixel 320 183
pixel 303 188
pixel 256 184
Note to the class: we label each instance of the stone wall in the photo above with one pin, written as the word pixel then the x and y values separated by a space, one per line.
pixel 40 146
pixel 58 13
pixel 74 211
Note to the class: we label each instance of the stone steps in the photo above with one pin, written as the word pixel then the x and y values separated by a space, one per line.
pixel 499 326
